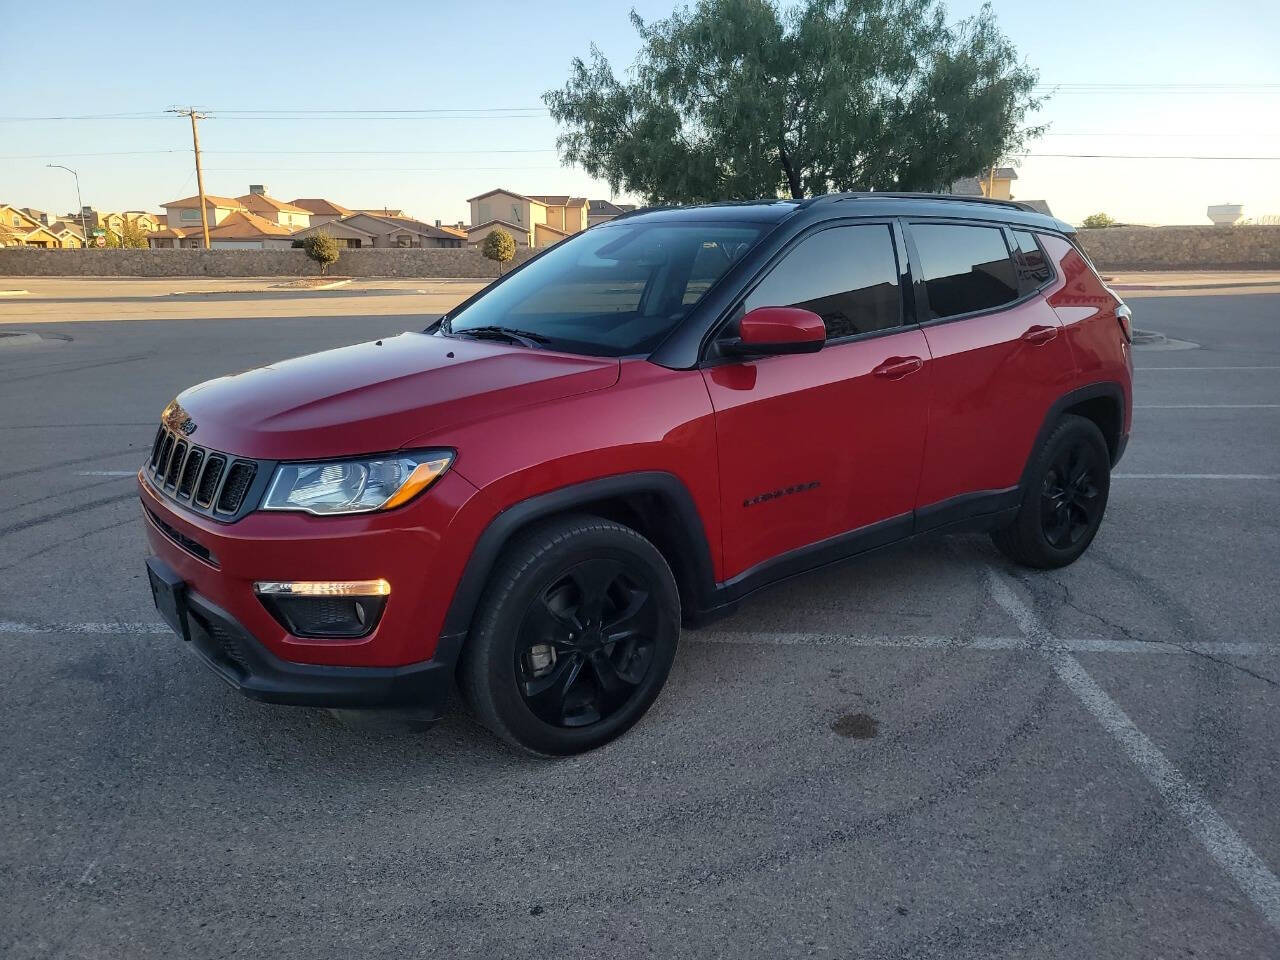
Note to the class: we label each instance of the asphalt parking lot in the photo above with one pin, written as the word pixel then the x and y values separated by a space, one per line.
pixel 925 753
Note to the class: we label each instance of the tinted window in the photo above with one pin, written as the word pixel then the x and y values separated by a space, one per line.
pixel 613 290
pixel 846 275
pixel 1030 258
pixel 965 268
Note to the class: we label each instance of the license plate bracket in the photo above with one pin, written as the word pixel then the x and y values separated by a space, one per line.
pixel 170 595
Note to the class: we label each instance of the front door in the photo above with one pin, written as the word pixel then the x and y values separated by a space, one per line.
pixel 816 446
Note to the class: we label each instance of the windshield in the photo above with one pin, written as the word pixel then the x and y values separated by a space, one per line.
pixel 613 290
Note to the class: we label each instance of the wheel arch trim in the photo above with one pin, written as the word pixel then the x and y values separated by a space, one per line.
pixel 690 531
pixel 1103 389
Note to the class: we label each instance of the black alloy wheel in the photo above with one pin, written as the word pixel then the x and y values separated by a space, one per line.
pixel 1070 501
pixel 574 636
pixel 586 643
pixel 1064 497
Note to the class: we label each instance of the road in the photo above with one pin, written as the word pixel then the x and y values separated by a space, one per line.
pixel 925 753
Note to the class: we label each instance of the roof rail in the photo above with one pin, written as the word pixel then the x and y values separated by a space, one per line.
pixel 907 195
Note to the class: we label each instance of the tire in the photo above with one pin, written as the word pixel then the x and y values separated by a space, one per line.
pixel 575 636
pixel 1057 521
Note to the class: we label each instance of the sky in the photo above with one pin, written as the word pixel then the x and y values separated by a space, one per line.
pixel 494 60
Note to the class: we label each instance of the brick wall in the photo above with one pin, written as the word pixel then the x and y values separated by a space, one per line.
pixel 1184 248
pixel 463 262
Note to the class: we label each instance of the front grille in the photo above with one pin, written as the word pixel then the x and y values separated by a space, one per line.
pixel 190 471
pixel 209 480
pixel 238 479
pixel 205 481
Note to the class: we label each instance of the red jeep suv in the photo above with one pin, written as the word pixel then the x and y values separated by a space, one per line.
pixel 634 430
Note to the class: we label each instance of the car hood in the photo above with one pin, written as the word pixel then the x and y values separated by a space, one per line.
pixel 377 396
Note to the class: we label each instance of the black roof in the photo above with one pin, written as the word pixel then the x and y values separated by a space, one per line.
pixel 876 204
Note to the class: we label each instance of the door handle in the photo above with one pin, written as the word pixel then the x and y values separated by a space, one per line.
pixel 1038 334
pixel 895 368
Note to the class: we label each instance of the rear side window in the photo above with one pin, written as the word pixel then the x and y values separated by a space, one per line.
pixel 846 275
pixel 1031 261
pixel 965 269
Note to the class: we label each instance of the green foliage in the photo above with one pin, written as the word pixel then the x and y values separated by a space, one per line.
pixel 499 246
pixel 1097 220
pixel 322 248
pixel 739 99
pixel 135 238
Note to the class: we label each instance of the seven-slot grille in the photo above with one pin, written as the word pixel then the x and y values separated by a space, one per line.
pixel 205 480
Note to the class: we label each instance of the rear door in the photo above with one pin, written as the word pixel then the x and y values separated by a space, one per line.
pixel 998 358
pixel 813 446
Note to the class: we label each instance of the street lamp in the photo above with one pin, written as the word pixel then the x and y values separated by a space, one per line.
pixel 79 202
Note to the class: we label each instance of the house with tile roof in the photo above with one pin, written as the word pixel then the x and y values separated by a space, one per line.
pixel 286 214
pixel 238 230
pixel 996 183
pixel 18 228
pixel 186 212
pixel 321 210
pixel 366 230
pixel 533 220
pixel 600 211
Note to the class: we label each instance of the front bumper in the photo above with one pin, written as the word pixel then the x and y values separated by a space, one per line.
pixel 242 661
pixel 420 549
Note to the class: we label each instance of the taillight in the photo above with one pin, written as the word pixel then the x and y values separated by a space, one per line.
pixel 1125 318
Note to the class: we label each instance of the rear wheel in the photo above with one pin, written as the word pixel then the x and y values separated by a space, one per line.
pixel 1064 499
pixel 576 635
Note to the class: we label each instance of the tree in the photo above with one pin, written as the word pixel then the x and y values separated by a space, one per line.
pixel 1097 220
pixel 322 248
pixel 738 99
pixel 133 237
pixel 499 246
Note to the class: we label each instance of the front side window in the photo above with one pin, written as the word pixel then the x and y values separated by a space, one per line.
pixel 846 275
pixel 966 269
pixel 613 290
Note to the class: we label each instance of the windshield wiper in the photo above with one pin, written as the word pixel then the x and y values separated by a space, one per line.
pixel 526 338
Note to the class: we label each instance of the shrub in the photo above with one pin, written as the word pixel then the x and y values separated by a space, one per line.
pixel 322 248
pixel 499 246
pixel 1095 220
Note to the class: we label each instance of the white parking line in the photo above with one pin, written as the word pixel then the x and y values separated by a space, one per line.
pixel 1219 838
pixel 1145 369
pixel 1207 406
pixel 1078 645
pixel 106 473
pixel 1195 476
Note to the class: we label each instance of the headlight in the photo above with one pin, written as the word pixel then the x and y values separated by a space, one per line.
pixel 355 486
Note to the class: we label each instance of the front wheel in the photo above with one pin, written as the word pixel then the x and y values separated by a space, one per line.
pixel 576 635
pixel 1064 498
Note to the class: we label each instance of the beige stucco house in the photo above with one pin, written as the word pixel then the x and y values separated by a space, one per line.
pixel 186 212
pixel 321 210
pixel 269 208
pixel 533 220
pixel 367 230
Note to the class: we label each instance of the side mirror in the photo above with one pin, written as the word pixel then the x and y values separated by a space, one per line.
pixel 765 331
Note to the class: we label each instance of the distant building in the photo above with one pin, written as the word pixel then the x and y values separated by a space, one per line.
pixel 321 210
pixel 237 230
pixel 996 184
pixel 269 208
pixel 1225 214
pixel 22 227
pixel 600 211
pixel 360 230
pixel 186 212
pixel 533 220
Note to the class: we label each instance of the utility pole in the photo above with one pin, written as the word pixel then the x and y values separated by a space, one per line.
pixel 195 145
pixel 79 202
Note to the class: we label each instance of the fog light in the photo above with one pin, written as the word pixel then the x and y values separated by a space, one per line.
pixel 325 608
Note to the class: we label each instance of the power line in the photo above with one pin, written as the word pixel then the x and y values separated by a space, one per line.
pixel 1137 156
pixel 296 153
